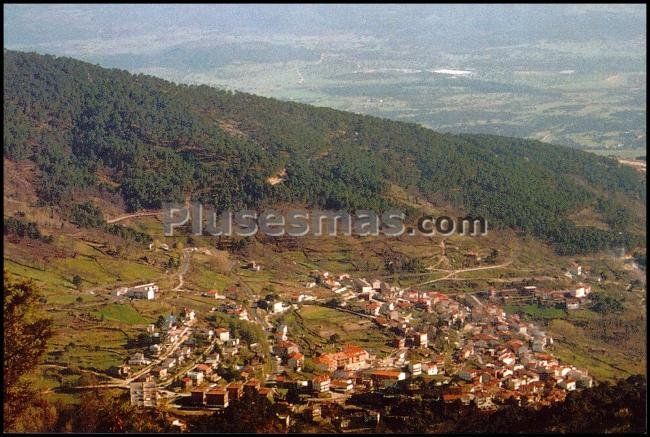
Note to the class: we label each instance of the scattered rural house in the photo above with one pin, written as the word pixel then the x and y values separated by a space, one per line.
pixel 155 349
pixel 215 294
pixel 138 359
pixel 188 315
pixel 306 298
pixel 169 363
pixel 179 426
pixel 430 368
pixel 572 304
pixel 278 307
pixel 145 291
pixel 283 330
pixel 123 370
pixel 581 291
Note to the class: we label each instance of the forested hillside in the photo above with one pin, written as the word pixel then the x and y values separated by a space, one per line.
pixel 93 129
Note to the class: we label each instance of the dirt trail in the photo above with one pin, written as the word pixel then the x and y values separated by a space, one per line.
pixel 184 267
pixel 137 214
pixel 455 272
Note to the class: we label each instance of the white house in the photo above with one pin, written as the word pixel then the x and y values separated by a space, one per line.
pixel 277 307
pixel 144 291
pixel 169 363
pixel 222 334
pixel 421 339
pixel 138 359
pixel 197 377
pixel 430 368
pixel 189 315
pixel 568 384
pixel 581 291
pixel 305 298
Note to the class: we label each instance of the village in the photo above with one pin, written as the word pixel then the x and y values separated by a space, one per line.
pixel 465 343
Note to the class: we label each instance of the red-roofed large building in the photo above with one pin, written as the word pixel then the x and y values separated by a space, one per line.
pixel 350 358
pixel 387 377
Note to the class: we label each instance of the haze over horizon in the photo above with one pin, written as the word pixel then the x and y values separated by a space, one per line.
pixel 569 74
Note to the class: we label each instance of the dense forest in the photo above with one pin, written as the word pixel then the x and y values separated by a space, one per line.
pixel 151 141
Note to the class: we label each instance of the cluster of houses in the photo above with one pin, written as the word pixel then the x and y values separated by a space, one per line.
pixel 200 376
pixel 167 347
pixel 500 357
pixel 569 299
pixel 489 357
pixel 208 390
pixel 496 356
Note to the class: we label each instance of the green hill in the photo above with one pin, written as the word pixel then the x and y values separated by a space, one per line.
pixel 95 130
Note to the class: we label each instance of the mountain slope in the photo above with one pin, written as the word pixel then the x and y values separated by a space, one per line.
pixel 96 130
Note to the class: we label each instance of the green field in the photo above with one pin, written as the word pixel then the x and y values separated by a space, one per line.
pixel 312 326
pixel 122 313
pixel 536 312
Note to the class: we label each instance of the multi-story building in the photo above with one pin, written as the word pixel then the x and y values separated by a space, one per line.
pixel 144 392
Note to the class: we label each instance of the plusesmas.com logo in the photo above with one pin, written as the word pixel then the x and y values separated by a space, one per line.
pixel 300 223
